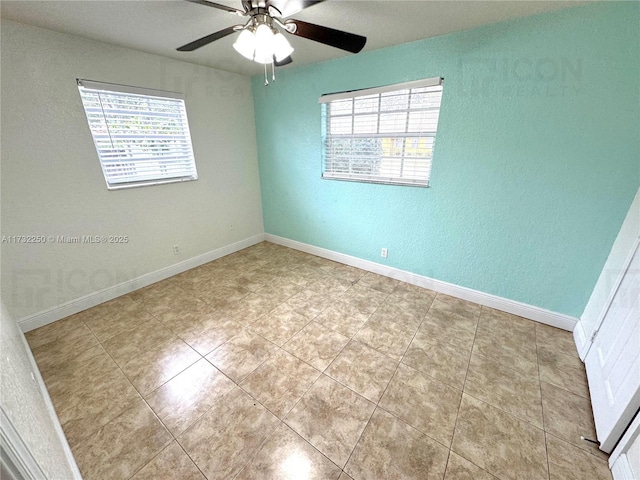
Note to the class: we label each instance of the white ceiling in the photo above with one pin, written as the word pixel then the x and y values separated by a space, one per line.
pixel 161 26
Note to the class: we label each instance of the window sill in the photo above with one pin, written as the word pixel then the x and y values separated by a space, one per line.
pixel 378 180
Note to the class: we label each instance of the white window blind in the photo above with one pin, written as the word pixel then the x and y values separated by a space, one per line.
pixel 383 134
pixel 141 135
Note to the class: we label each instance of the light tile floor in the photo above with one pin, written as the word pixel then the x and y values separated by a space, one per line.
pixel 274 364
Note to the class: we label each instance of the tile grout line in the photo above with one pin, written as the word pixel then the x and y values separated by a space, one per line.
pixel 377 404
pixel 281 348
pixel 464 384
pixel 259 447
pixel 552 383
pixel 262 443
pixel 393 375
pixel 451 450
pixel 141 395
pixel 130 404
pixel 546 432
pixel 151 460
pixel 278 348
pixel 189 456
pixel 501 409
pixel 544 423
pixel 138 391
pixel 237 384
pixel 322 373
pixel 519 417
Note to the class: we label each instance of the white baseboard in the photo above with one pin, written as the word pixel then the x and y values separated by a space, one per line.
pixel 540 315
pixel 531 312
pixel 74 306
pixel 580 338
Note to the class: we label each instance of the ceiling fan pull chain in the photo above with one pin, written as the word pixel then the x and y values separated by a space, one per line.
pixel 266 80
pixel 273 72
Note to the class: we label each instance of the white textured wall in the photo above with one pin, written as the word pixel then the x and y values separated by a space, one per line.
pixel 52 183
pixel 29 410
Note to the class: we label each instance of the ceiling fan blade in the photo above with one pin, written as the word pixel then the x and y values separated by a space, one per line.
pixel 291 7
pixel 218 5
pixel 283 62
pixel 329 36
pixel 201 42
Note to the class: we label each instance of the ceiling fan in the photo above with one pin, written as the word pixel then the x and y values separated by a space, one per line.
pixel 260 37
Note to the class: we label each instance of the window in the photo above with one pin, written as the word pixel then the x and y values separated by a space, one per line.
pixel 382 135
pixel 141 135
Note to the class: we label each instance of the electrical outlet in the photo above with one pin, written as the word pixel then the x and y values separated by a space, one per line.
pixel 176 250
pixel 384 252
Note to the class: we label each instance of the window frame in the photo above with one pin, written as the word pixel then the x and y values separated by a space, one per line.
pixel 177 154
pixel 326 100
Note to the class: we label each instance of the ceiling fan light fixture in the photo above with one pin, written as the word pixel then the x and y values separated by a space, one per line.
pixel 263 57
pixel 264 44
pixel 245 44
pixel 281 47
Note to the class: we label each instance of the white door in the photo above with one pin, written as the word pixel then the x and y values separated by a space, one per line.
pixel 625 458
pixel 613 361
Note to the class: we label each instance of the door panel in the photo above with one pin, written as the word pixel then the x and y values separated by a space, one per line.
pixel 610 277
pixel 613 362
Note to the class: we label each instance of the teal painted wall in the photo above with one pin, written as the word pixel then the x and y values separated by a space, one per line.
pixel 536 162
